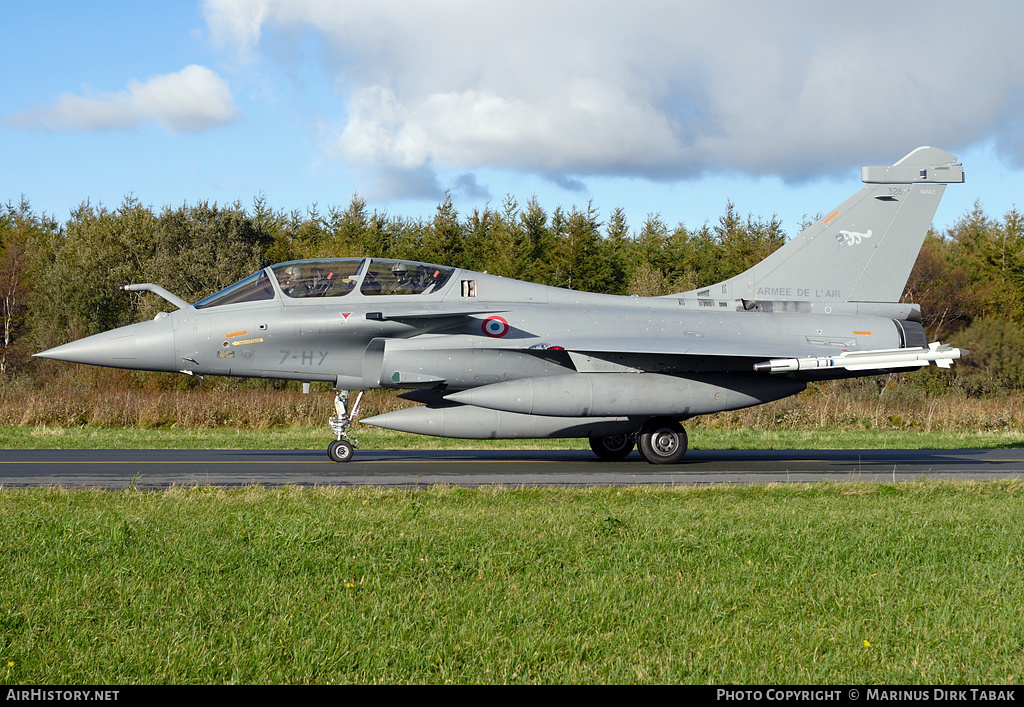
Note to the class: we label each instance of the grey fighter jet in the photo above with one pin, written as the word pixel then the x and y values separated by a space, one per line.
pixel 489 357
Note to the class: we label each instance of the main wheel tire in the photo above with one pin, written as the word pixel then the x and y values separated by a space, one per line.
pixel 614 447
pixel 663 441
pixel 340 451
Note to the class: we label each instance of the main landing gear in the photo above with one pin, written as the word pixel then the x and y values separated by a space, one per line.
pixel 344 447
pixel 614 447
pixel 661 440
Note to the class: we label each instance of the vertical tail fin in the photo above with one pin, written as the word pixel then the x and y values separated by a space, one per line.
pixel 862 251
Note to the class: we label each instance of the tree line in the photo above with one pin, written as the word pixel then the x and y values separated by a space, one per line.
pixel 59 281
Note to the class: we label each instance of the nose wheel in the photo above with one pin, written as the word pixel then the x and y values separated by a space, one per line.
pixel 344 447
pixel 340 450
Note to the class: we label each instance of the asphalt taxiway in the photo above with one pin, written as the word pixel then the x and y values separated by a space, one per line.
pixel 157 469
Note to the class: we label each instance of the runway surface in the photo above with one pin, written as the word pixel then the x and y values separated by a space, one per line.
pixel 156 469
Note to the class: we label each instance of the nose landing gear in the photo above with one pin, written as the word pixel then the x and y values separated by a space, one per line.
pixel 343 448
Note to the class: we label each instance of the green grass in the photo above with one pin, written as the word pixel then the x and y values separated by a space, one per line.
pixel 829 583
pixel 86 437
pixel 45 437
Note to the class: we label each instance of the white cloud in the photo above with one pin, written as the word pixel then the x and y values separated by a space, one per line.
pixel 190 100
pixel 649 88
pixel 237 23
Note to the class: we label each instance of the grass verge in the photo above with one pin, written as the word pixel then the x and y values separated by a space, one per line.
pixel 48 437
pixel 851 583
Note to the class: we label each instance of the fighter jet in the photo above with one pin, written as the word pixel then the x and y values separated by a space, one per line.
pixel 490 357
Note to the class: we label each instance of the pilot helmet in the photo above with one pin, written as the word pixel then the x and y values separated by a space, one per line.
pixel 291 275
pixel 400 270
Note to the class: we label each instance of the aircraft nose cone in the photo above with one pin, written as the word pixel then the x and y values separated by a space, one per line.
pixel 147 346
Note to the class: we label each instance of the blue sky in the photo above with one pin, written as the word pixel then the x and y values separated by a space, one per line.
pixel 656 107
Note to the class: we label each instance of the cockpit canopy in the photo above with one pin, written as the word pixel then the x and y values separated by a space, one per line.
pixel 334 277
pixel 318 278
pixel 252 289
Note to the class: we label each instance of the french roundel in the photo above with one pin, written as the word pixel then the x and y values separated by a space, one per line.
pixel 495 327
